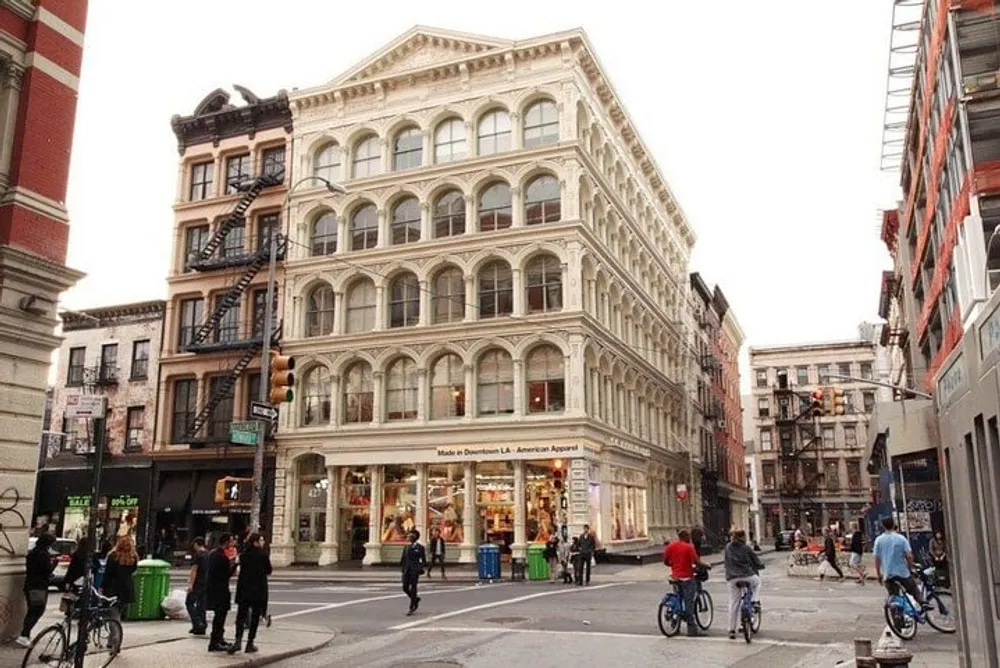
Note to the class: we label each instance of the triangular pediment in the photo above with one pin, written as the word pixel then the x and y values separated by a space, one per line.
pixel 419 48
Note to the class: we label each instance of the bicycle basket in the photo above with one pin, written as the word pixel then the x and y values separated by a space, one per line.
pixel 701 574
pixel 66 603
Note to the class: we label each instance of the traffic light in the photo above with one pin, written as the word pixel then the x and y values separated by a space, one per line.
pixel 838 401
pixel 816 402
pixel 282 379
pixel 231 491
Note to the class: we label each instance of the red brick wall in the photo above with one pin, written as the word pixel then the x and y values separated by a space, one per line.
pixel 73 12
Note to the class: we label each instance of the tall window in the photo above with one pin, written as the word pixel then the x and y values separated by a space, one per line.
pixel 449 296
pixel 404 301
pixel 135 426
pixel 449 140
pixel 326 163
pixel 195 239
pixel 495 208
pixel 408 149
pixel 496 383
pixel 448 388
pixel 191 313
pixel 541 124
pixel 449 214
pixel 802 375
pixel 71 429
pixel 823 373
pixel 222 415
pixel 766 444
pixel 844 368
pixel 367 156
pixel 140 360
pixel 829 441
pixel 237 172
pixel 831 474
pixel 767 479
pixel 496 290
pixel 268 228
pixel 850 436
pixel 364 228
pixel 406 222
pixel 74 372
pixel 763 407
pixel 234 244
pixel 401 390
pixel 854 474
pixel 184 409
pixel 320 311
pixel 252 392
pixel 866 370
pixel 259 303
pixel 546 384
pixel 544 284
pixel 361 307
pixel 201 181
pixel 541 202
pixel 228 328
pixel 273 160
pixel 494 132
pixel 869 401
pixel 316 393
pixel 324 234
pixel 359 393
pixel 761 375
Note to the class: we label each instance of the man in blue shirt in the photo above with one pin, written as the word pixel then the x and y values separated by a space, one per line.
pixel 894 561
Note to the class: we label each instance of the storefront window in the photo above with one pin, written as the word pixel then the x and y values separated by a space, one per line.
pixel 355 500
pixel 542 499
pixel 446 501
pixel 495 502
pixel 116 516
pixel 628 505
pixel 313 487
pixel 399 503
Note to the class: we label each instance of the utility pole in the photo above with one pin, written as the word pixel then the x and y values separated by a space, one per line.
pixel 265 359
pixel 97 439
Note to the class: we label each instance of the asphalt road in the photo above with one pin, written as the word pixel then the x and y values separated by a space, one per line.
pixel 806 623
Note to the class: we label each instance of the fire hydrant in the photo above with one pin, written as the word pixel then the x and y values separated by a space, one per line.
pixel 889 653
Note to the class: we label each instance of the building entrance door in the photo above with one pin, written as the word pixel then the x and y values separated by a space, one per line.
pixel 353 535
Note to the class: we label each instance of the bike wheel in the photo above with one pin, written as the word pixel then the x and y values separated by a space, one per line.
pixel 704 612
pixel 48 649
pixel 941 616
pixel 747 627
pixel 670 623
pixel 755 618
pixel 900 623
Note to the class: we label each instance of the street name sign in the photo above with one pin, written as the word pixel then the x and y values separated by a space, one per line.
pixel 243 433
pixel 263 411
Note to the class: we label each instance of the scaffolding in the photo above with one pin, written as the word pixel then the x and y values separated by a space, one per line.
pixel 904 45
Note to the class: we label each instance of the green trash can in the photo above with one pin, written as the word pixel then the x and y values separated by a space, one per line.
pixel 538 567
pixel 152 584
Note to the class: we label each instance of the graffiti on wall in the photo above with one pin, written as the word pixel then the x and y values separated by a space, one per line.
pixel 9 500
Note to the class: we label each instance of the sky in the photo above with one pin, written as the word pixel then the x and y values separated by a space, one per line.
pixel 765 119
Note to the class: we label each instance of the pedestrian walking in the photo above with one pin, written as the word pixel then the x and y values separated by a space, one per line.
pixel 220 570
pixel 412 564
pixel 742 565
pixel 197 588
pixel 551 555
pixel 38 571
pixel 588 545
pixel 563 554
pixel 251 592
pixel 118 572
pixel 438 549
pixel 830 554
pixel 857 553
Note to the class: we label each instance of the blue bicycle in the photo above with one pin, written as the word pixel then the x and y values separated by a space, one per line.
pixel 750 614
pixel 672 612
pixel 903 615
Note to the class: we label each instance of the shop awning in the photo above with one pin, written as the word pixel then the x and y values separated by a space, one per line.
pixel 204 493
pixel 174 493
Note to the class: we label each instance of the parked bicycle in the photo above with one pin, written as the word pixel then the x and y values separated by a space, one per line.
pixel 902 614
pixel 672 611
pixel 750 614
pixel 53 647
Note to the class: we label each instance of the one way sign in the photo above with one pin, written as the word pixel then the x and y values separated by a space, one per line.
pixel 261 411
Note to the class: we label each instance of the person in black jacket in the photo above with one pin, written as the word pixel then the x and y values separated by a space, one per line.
pixel 220 570
pixel 412 564
pixel 77 563
pixel 118 572
pixel 588 545
pixel 438 549
pixel 830 554
pixel 38 571
pixel 251 591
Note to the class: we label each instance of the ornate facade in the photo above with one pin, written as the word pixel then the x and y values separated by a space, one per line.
pixel 488 326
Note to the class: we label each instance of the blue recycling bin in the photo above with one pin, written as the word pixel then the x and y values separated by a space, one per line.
pixel 488 561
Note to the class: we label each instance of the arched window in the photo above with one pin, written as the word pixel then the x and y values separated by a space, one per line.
pixel 319 311
pixel 404 301
pixel 447 388
pixel 360 315
pixel 449 140
pixel 495 208
pixel 359 393
pixel 408 149
pixel 541 201
pixel 326 163
pixel 364 228
pixel 541 124
pixel 367 157
pixel 496 290
pixel 316 398
pixel 545 374
pixel 406 222
pixel 324 234
pixel 543 284
pixel 495 388
pixel 494 132
pixel 401 390
pixel 449 215
pixel 449 296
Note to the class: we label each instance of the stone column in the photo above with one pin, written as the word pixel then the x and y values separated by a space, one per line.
pixel 378 409
pixel 423 394
pixel 517 207
pixel 517 280
pixel 471 398
pixel 516 131
pixel 576 372
pixel 373 548
pixel 519 383
pixel 421 518
pixel 470 516
pixel 471 224
pixel 519 548
pixel 336 400
pixel 331 546
pixel 426 222
pixel 471 145
pixel 425 305
pixel 343 230
pixel 339 313
pixel 471 300
pixel 572 278
pixel 380 307
pixel 13 75
pixel 427 158
pixel 384 238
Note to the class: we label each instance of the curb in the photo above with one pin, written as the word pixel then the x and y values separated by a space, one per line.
pixel 280 656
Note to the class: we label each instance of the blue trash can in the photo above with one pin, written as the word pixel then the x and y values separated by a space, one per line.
pixel 99 568
pixel 488 561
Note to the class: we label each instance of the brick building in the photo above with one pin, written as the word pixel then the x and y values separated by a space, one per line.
pixel 41 47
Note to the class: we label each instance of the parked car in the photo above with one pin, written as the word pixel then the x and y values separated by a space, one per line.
pixel 784 540
pixel 61 552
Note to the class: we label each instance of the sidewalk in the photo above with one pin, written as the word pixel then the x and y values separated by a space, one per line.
pixel 166 644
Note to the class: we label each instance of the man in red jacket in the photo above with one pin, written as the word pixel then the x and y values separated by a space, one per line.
pixel 682 558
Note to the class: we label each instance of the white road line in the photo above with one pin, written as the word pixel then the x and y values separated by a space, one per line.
pixel 632 636
pixel 495 604
pixel 373 599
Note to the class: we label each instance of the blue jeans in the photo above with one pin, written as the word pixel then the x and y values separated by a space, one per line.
pixel 195 604
pixel 689 591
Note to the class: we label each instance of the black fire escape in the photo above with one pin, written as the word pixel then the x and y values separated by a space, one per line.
pixel 219 333
pixel 800 442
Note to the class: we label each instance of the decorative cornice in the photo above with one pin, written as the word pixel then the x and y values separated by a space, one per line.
pixel 111 316
pixel 25 9
pixel 215 119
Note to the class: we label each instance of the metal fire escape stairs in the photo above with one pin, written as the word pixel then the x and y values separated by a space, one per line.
pixel 809 438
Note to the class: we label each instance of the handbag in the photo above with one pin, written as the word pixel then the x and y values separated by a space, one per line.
pixel 37 598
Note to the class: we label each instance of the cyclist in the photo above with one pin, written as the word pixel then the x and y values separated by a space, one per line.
pixel 894 562
pixel 742 565
pixel 680 555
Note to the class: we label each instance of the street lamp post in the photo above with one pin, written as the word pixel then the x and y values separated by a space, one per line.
pixel 258 458
pixel 871 381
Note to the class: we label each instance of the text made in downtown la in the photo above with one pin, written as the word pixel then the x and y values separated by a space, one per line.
pixel 510 451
